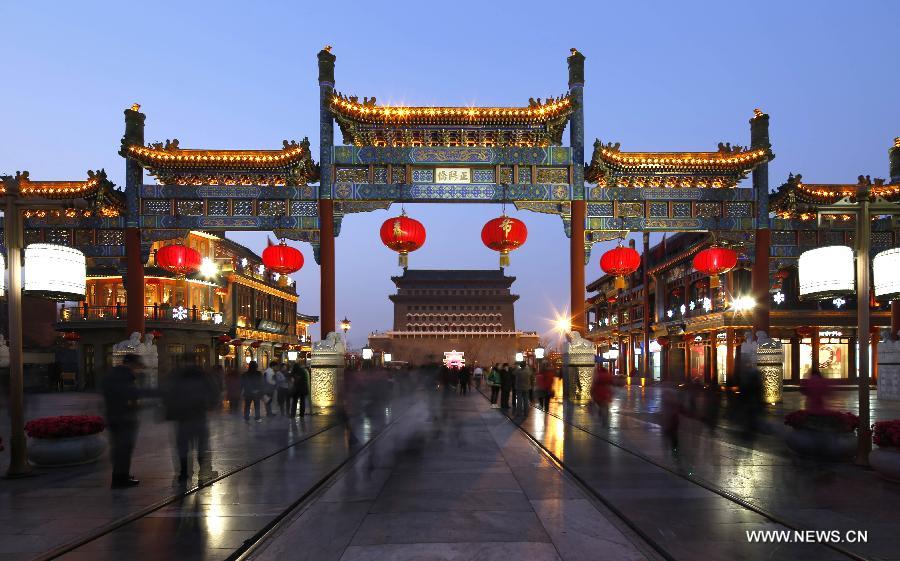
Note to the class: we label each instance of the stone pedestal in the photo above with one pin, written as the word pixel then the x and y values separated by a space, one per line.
pixel 578 364
pixel 148 374
pixel 327 372
pixel 765 356
pixel 770 361
pixel 889 370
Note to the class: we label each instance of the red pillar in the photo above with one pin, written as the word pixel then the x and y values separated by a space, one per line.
pixel 576 264
pixel 326 265
pixel 729 356
pixel 760 281
pixel 134 282
pixel 895 319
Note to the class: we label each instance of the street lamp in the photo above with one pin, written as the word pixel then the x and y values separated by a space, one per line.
pixel 345 326
pixel 539 353
pixel 14 239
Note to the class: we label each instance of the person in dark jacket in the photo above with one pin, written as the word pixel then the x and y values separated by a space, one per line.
pixel 252 386
pixel 120 395
pixel 299 389
pixel 233 390
pixel 506 385
pixel 193 393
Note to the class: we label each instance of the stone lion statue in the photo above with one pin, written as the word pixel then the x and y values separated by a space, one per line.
pixel 577 342
pixel 332 343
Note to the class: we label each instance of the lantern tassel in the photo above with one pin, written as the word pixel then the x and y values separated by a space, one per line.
pixel 620 282
pixel 714 281
pixel 504 259
pixel 403 260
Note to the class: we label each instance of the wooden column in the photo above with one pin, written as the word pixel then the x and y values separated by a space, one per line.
pixel 873 337
pixel 575 63
pixel 686 374
pixel 712 365
pixel 645 352
pixel 576 266
pixel 326 204
pixel 759 138
pixel 134 282
pixel 795 360
pixel 326 266
pixel 729 356
pixel 895 319
pixel 815 349
pixel 134 263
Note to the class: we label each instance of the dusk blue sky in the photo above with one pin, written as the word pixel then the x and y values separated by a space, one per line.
pixel 659 76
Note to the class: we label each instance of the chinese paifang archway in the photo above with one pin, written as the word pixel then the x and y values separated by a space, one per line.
pixel 513 155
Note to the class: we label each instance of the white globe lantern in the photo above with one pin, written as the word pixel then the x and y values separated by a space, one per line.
pixel 826 272
pixel 886 274
pixel 54 271
pixel 367 353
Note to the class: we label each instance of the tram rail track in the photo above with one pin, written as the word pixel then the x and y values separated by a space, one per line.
pixel 250 544
pixel 627 520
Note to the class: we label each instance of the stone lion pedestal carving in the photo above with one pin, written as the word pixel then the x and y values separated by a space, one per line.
pixel 889 370
pixel 578 362
pixel 149 374
pixel 327 372
pixel 767 356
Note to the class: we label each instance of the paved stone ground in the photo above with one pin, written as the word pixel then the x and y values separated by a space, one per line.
pixel 806 493
pixel 453 480
pixel 56 506
pixel 456 480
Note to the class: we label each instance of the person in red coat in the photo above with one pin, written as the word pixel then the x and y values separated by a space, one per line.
pixel 601 392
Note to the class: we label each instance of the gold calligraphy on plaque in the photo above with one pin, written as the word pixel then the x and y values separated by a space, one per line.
pixel 452 175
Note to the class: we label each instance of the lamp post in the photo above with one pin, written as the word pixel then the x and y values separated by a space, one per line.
pixel 864 205
pixel 345 327
pixel 14 240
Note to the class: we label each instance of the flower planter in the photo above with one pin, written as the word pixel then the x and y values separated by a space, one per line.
pixel 886 461
pixel 68 451
pixel 822 445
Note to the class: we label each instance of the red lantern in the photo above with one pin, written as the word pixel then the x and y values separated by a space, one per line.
pixel 156 334
pixel 72 336
pixel 282 258
pixel 620 261
pixel 714 261
pixel 256 344
pixel 663 341
pixel 178 259
pixel 403 234
pixel 504 234
pixel 224 338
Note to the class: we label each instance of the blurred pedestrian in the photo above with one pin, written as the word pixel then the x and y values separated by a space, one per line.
pixel 750 400
pixel 282 391
pixel 506 385
pixel 252 386
pixel 493 380
pixel 120 395
pixel 543 385
pixel 712 405
pixel 233 390
pixel 478 374
pixel 671 411
pixel 601 392
pixel 299 389
pixel 816 390
pixel 192 395
pixel 523 387
pixel 270 385
pixel 217 379
pixel 464 380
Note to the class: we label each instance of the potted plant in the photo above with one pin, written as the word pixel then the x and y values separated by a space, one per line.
pixel 66 440
pixel 825 435
pixel 885 459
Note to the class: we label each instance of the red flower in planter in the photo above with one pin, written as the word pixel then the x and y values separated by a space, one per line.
pixel 886 433
pixel 826 421
pixel 64 426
